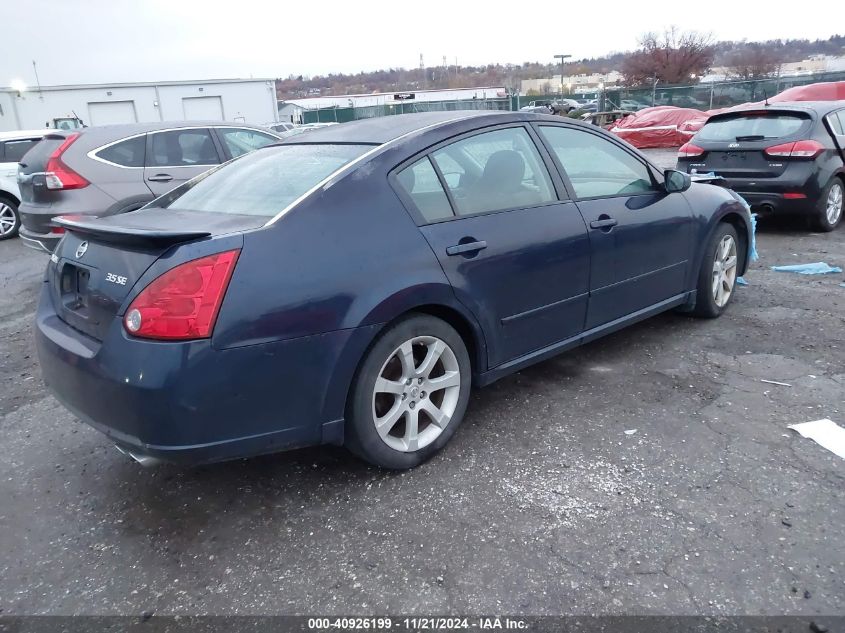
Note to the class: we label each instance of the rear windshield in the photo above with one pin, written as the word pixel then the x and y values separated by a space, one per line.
pixel 753 127
pixel 262 182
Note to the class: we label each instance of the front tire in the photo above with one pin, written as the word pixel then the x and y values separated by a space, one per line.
pixel 829 208
pixel 409 394
pixel 718 273
pixel 10 219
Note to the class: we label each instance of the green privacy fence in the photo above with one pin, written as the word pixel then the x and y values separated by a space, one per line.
pixel 707 96
pixel 342 115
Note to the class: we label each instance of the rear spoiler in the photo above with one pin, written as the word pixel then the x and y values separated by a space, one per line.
pixel 112 232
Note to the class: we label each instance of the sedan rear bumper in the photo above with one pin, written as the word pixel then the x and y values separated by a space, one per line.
pixel 188 402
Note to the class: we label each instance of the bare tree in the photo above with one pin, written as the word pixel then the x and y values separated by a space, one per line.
pixel 672 58
pixel 752 61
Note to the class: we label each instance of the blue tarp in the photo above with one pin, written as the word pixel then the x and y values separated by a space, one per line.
pixel 816 268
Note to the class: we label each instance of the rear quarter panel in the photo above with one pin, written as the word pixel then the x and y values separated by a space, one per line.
pixel 348 258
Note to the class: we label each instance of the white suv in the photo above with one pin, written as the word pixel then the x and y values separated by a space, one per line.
pixel 13 145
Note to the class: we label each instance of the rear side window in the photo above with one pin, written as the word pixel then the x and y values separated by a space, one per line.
pixel 182 148
pixel 240 141
pixel 421 184
pixel 759 127
pixel 14 150
pixel 128 153
pixel 494 171
pixel 264 182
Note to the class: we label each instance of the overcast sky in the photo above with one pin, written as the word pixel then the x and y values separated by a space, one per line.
pixel 93 41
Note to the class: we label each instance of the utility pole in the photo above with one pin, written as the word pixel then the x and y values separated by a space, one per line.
pixel 422 68
pixel 561 58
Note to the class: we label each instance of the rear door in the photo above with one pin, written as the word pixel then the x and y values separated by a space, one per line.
pixel 175 156
pixel 734 143
pixel 640 235
pixel 516 254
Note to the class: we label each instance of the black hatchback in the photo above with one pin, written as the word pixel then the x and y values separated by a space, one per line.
pixel 785 158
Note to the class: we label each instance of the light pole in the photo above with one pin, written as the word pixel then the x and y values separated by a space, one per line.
pixel 561 58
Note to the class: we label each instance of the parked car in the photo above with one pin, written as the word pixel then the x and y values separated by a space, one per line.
pixel 536 105
pixel 632 106
pixel 280 126
pixel 13 145
pixel 113 169
pixel 348 286
pixel 785 158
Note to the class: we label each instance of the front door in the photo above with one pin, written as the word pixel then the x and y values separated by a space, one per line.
pixel 516 255
pixel 176 156
pixel 640 236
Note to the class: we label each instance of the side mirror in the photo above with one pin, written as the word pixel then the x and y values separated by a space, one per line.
pixel 674 181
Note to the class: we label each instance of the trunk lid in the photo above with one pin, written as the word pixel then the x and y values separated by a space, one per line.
pixel 99 260
pixel 734 143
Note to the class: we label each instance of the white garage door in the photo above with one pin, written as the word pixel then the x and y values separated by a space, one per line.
pixel 108 112
pixel 202 108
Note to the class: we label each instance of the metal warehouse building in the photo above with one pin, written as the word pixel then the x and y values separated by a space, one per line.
pixel 242 100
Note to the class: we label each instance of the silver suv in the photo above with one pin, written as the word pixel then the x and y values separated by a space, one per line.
pixel 118 168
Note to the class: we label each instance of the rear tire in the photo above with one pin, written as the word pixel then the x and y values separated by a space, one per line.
pixel 718 273
pixel 10 219
pixel 409 394
pixel 828 213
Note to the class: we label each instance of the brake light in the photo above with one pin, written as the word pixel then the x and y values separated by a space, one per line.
pixel 798 149
pixel 183 302
pixel 688 150
pixel 59 175
pixel 57 230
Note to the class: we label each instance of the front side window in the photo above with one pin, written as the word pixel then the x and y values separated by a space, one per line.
pixel 182 148
pixel 15 150
pixel 420 182
pixel 597 167
pixel 494 171
pixel 264 182
pixel 240 141
pixel 128 153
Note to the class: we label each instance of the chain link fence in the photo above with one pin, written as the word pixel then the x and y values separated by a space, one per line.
pixel 701 96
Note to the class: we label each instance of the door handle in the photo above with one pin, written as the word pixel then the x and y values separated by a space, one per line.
pixel 160 178
pixel 604 222
pixel 466 247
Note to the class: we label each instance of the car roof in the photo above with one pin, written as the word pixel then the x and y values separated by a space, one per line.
pixel 379 130
pixel 18 134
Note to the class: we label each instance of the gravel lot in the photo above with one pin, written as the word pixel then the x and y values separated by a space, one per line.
pixel 542 503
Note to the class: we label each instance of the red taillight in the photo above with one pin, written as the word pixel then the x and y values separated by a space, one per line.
pixel 798 149
pixel 59 175
pixel 183 303
pixel 57 230
pixel 794 196
pixel 689 150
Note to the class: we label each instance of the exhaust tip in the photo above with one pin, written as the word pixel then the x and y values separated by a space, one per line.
pixel 145 460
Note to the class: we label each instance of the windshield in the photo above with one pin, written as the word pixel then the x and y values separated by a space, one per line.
pixel 752 127
pixel 263 182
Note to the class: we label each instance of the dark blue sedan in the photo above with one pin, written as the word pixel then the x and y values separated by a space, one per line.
pixel 350 285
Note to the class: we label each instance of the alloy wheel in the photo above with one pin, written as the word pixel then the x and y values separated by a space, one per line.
pixel 724 270
pixel 834 204
pixel 7 219
pixel 416 393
